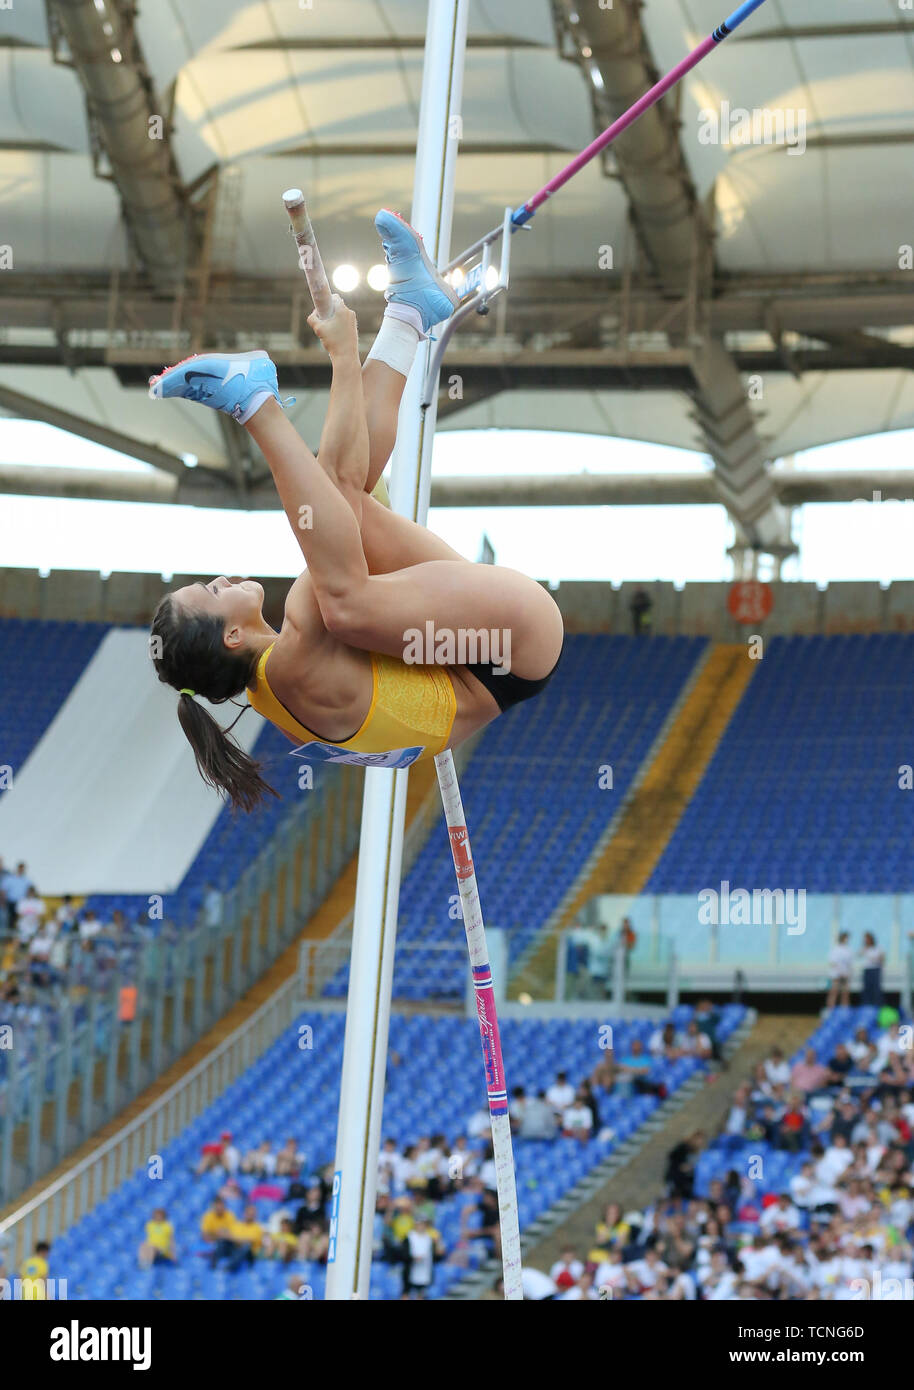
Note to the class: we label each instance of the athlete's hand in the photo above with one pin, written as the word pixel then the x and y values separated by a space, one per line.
pixel 340 333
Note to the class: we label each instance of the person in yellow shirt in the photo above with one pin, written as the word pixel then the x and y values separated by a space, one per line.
pixel 247 1238
pixel 159 1246
pixel 217 1226
pixel 34 1274
pixel 284 1244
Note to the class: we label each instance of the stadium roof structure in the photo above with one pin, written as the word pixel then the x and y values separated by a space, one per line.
pixel 757 226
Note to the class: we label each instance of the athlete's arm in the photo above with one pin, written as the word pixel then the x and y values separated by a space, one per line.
pixel 323 522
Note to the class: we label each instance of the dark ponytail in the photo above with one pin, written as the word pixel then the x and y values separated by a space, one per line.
pixel 189 654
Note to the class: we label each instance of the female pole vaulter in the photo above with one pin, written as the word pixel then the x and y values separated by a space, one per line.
pixel 347 676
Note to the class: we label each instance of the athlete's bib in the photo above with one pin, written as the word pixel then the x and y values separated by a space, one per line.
pixel 331 753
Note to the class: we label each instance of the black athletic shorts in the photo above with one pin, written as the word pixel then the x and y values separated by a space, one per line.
pixel 509 689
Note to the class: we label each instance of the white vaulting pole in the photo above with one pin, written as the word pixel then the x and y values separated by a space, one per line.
pixel 496 1086
pixel 377 896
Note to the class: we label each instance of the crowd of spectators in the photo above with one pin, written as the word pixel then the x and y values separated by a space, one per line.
pixel 269 1204
pixel 838 1223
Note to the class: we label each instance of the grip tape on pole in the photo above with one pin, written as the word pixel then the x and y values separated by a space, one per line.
pixel 309 256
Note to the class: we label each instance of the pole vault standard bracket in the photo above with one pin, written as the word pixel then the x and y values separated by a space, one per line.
pixel 519 219
pixel 474 293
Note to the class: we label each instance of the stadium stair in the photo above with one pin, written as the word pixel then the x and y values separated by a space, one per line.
pixel 637 1177
pixel 641 831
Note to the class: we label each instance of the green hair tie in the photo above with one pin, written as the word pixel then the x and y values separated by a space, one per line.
pixel 191 693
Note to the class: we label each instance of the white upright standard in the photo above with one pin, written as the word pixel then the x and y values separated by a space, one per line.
pixel 384 806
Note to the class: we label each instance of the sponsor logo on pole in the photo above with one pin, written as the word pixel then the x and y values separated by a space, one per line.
pixel 460 848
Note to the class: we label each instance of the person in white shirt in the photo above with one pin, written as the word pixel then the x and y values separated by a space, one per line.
pixel 860 1045
pixel 777 1070
pixel 583 1289
pixel 682 1286
pixel 461 1161
pixel 758 1259
pixel 781 1216
pixel 390 1170
pixel 31 914
pixel 577 1121
pixel 560 1094
pixel 569 1266
pixel 90 926
pixel 480 1124
pixel 423 1244
pixel 840 963
pixel 836 1159
pixel 611 1273
pixel 40 945
pixel 537 1285
pixel 648 1269
pixel 718 1284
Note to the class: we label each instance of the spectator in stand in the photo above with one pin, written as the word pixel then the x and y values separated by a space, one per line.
pixel 247 1239
pixel 566 1271
pixel 479 1218
pixel 583 1288
pixel 694 1043
pixel 261 1161
pixel 873 958
pixel 777 1070
pixel 662 1044
pixel 40 947
pixel 841 1063
pixel 738 1114
pixel 809 1074
pixel 390 1169
pixel 480 1123
pixel 680 1164
pixel 539 1120
pixel 15 888
pixel 59 954
pixel 560 1094
pixel 640 608
pixel 613 1232
pixel 312 1226
pixel 707 1020
pixel 791 1129
pixel 296 1289
pixel 218 1154
pixel 159 1246
pixel 32 912
pixel 604 1073
pixel 840 964
pixel 65 915
pixel 780 1217
pixel 462 1162
pixel 423 1246
pixel 860 1048
pixel 516 1108
pixel 281 1245
pixel 577 1121
pixel 585 1092
pixel 34 1273
pixel 289 1160
pixel 634 1069
pixel 216 1226
pixel 89 925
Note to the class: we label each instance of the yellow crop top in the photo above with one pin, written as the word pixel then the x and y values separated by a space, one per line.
pixel 410 717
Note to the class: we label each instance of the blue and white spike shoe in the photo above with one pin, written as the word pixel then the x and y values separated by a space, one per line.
pixel 414 280
pixel 226 381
